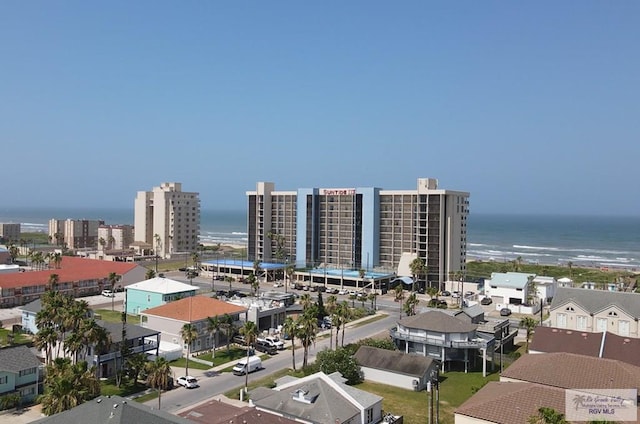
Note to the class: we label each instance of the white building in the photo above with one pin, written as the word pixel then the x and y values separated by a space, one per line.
pixel 546 288
pixel 509 288
pixel 114 237
pixel 168 219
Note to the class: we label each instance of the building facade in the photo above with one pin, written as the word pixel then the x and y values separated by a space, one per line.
pixel 115 237
pixel 74 233
pixel 9 232
pixel 168 219
pixel 360 228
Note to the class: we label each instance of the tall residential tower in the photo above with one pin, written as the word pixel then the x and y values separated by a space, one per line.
pixel 360 228
pixel 168 219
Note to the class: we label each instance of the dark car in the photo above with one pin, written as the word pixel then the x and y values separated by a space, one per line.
pixel 486 301
pixel 505 312
pixel 445 293
pixel 265 347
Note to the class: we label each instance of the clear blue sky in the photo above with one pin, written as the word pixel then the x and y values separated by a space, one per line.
pixel 529 106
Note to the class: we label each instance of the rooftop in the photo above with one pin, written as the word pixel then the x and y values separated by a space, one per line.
pixel 437 321
pixel 595 301
pixel 395 361
pixel 71 269
pixel 162 285
pixel 194 308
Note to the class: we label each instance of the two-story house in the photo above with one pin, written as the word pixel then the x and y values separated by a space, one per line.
pixel 20 372
pixel 155 292
pixel 596 311
pixel 513 290
pixel 169 319
pixel 444 337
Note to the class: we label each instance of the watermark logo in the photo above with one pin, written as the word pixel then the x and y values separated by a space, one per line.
pixel 616 405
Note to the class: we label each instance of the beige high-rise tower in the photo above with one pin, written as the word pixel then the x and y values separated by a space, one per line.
pixel 168 219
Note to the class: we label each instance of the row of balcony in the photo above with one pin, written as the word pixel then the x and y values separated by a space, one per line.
pixel 475 343
pixel 136 349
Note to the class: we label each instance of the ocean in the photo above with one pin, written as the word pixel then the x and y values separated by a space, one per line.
pixel 612 242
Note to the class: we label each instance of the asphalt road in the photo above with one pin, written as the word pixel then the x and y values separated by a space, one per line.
pixel 213 383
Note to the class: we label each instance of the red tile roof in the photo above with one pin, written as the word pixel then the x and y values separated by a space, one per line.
pixel 571 371
pixel 195 308
pixel 71 269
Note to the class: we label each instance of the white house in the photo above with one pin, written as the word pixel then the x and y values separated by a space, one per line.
pixel 545 288
pixel 513 290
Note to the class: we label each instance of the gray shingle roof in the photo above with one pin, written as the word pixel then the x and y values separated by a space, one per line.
pixel 437 321
pixel 112 410
pixel 594 301
pixel 16 359
pixel 395 361
pixel 33 307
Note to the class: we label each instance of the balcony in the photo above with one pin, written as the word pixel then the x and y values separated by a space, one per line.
pixel 476 343
pixel 136 349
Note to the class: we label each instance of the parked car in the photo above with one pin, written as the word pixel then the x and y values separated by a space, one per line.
pixel 277 284
pixel 505 312
pixel 343 291
pixel 486 301
pixel 275 341
pixel 108 293
pixel 239 339
pixel 188 382
pixel 265 347
pixel 333 290
pixel 455 294
pixel 469 293
pixel 445 293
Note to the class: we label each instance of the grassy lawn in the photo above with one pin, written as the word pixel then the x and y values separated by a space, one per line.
pixel 109 388
pixel 148 396
pixel 455 388
pixel 222 357
pixel 263 382
pixel 116 316
pixel 369 320
pixel 19 339
pixel 182 362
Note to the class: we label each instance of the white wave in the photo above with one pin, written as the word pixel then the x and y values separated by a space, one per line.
pixel 239 233
pixel 519 246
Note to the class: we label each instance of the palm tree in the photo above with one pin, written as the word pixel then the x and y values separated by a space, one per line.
pixel 399 295
pixel 410 304
pixel 330 307
pixel 189 334
pixel 373 297
pixel 290 327
pixel 156 250
pixel 57 259
pixel 345 314
pixel 418 268
pixel 361 274
pixel 213 327
pixel 53 282
pixel 306 301
pixel 150 274
pixel 45 339
pixel 529 324
pixel 135 364
pixel 67 386
pixel 226 323
pixel 253 282
pixel 158 375
pixel 102 242
pixel 547 415
pixel 306 331
pixel 250 331
pixel 570 266
pixel 13 252
pixel 113 279
pixel 433 292
pixel 290 271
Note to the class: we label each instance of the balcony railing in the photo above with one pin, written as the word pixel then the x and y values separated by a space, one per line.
pixel 478 343
pixel 136 349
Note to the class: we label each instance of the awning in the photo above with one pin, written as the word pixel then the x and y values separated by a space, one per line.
pixel 407 280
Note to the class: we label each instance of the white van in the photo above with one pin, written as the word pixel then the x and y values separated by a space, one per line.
pixel 246 365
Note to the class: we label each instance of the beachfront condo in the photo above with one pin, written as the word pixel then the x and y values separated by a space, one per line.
pixel 360 227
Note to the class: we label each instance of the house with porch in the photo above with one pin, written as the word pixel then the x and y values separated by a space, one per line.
pixel 442 336
pixel 155 292
pixel 169 319
pixel 513 290
pixel 20 372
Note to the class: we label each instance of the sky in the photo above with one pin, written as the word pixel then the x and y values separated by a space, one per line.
pixel 531 107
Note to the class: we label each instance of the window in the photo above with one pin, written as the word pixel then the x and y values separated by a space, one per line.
pixel 4 380
pixel 601 324
pixel 623 328
pixel 581 323
pixel 369 415
pixel 562 321
pixel 28 371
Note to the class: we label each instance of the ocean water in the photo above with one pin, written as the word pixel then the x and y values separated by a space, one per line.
pixel 612 242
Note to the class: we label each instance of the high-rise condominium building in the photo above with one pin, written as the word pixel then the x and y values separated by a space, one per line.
pixel 360 228
pixel 9 232
pixel 74 233
pixel 168 219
